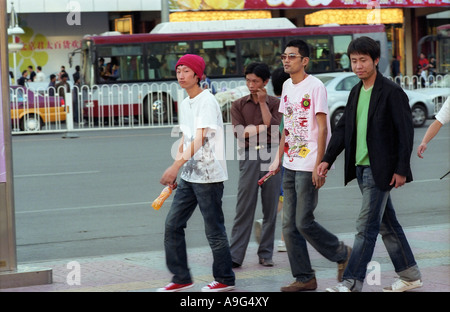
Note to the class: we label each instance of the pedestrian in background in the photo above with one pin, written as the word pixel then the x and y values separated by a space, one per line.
pixel 253 117
pixel 32 73
pixel 201 160
pixel 423 62
pixel 76 75
pixel 52 85
pixel 40 76
pixel 21 81
pixel 63 87
pixel 377 134
pixel 303 142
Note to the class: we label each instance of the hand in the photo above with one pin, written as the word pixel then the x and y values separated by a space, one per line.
pixel 397 180
pixel 262 94
pixel 275 165
pixel 169 176
pixel 322 169
pixel 317 181
pixel 421 149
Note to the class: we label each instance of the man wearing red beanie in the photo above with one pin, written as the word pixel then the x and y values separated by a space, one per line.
pixel 201 162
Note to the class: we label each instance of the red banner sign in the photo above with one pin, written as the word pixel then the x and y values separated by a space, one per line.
pixel 177 5
pixel 339 4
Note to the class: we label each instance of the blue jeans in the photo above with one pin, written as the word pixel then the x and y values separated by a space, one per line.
pixel 299 226
pixel 208 196
pixel 377 215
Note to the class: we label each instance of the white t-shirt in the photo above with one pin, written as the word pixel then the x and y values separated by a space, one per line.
pixel 300 103
pixel 208 165
pixel 40 77
pixel 444 113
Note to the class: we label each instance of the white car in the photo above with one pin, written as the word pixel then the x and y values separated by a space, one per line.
pixel 339 84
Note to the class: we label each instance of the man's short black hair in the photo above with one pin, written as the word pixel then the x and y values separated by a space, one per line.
pixel 259 69
pixel 302 46
pixel 364 45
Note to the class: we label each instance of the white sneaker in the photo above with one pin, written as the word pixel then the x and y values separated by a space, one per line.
pixel 400 285
pixel 217 287
pixel 338 288
pixel 281 247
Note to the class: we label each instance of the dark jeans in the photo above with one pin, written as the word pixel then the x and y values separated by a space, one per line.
pixel 299 226
pixel 377 216
pixel 208 196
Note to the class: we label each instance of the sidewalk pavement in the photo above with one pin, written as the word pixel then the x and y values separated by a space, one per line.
pixel 146 271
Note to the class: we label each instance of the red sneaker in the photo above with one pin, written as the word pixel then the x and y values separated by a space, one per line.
pixel 216 287
pixel 172 287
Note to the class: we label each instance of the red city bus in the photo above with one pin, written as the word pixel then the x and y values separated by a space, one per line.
pixel 149 59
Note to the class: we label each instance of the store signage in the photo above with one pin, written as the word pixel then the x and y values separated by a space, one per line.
pixel 177 5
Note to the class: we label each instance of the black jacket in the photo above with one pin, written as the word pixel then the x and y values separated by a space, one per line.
pixel 390 133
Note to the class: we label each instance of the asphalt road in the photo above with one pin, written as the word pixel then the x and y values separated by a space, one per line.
pixel 92 195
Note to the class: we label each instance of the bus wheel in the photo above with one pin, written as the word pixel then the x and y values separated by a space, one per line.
pixel 156 105
pixel 30 123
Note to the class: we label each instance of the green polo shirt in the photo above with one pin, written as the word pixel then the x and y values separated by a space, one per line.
pixel 362 113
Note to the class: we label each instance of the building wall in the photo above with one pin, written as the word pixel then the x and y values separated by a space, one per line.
pixel 55 6
pixel 49 39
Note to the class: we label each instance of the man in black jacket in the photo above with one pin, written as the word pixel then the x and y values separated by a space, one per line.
pixel 377 134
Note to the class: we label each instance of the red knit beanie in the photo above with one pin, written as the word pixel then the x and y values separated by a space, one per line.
pixel 194 62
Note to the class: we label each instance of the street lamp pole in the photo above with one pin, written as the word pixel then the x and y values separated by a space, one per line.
pixel 11 275
pixel 164 11
pixel 14 30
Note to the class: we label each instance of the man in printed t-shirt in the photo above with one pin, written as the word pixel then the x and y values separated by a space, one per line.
pixel 303 143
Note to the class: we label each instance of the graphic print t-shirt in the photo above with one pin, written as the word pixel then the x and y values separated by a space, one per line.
pixel 208 165
pixel 300 103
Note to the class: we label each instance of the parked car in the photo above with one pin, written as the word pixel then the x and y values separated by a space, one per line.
pixel 338 87
pixel 31 110
pixel 339 84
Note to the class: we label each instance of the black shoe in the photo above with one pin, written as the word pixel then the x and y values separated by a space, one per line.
pixel 235 265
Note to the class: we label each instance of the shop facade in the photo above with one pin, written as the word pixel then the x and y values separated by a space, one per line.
pixel 54 29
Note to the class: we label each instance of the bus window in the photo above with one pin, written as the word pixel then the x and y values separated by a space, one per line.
pixel 341 59
pixel 319 54
pixel 267 50
pixel 121 63
pixel 162 58
pixel 219 56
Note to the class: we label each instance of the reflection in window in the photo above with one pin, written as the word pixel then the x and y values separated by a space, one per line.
pixel 219 56
pixel 267 50
pixel 341 59
pixel 120 63
pixel 320 56
pixel 162 58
